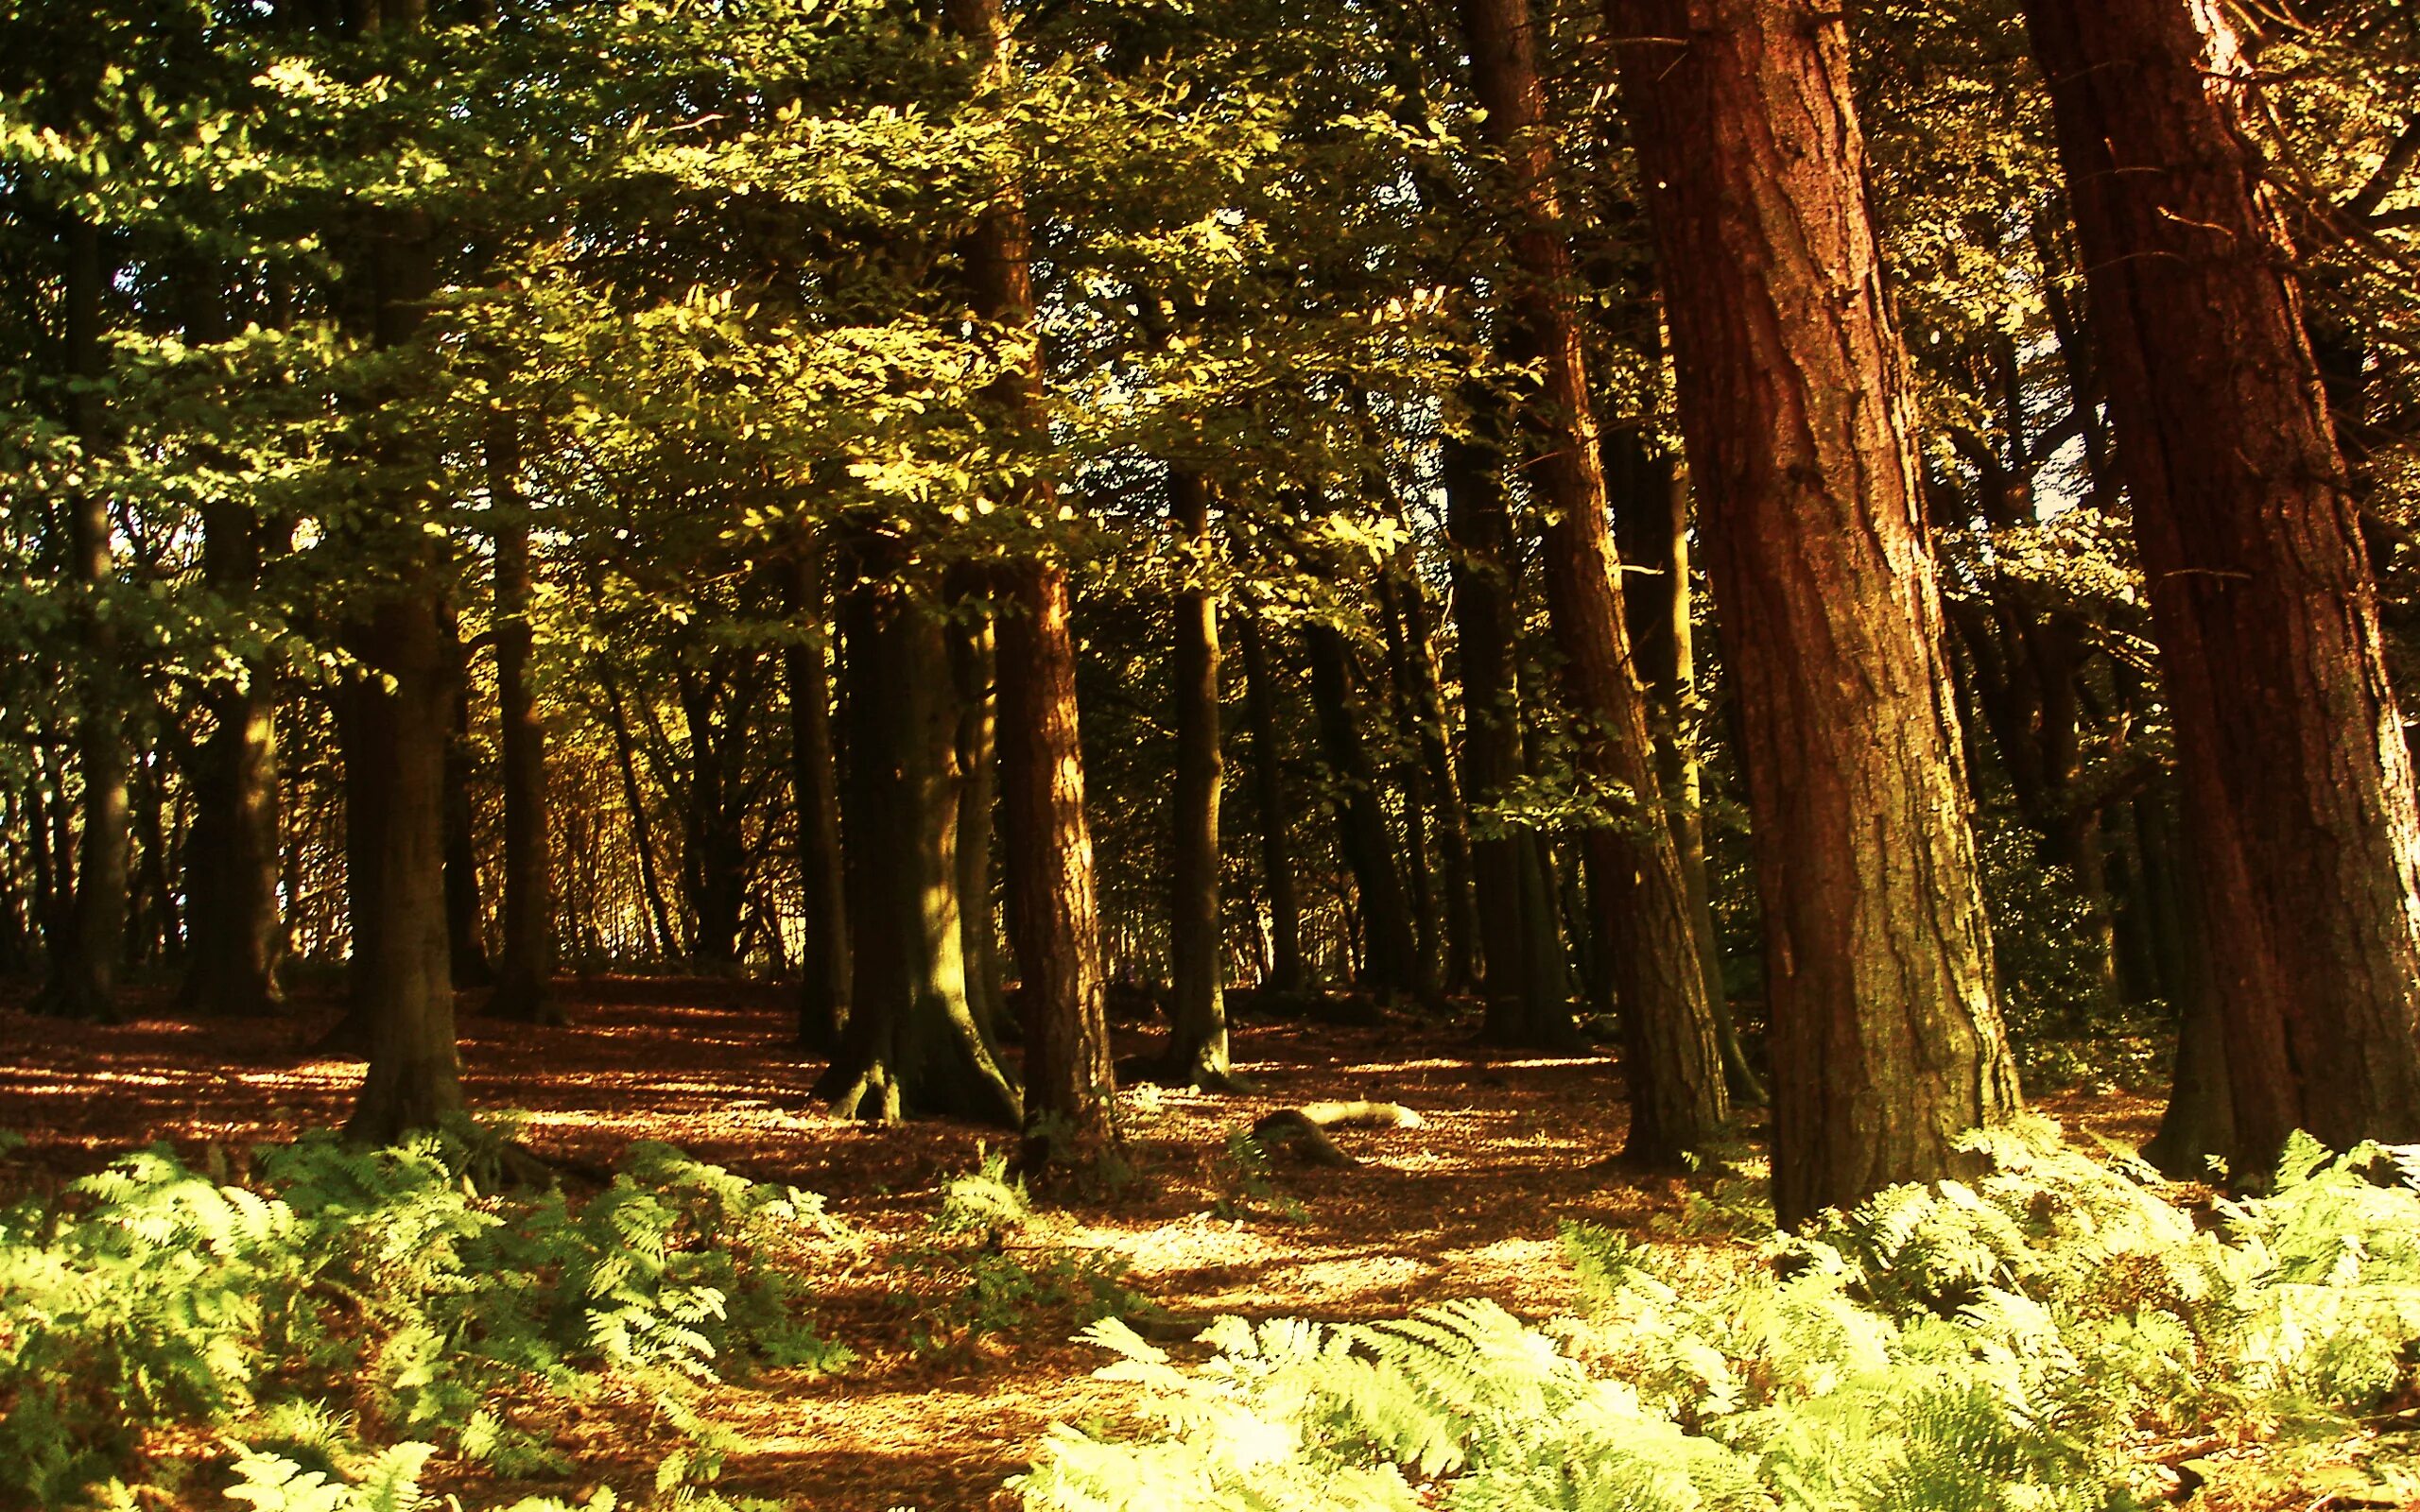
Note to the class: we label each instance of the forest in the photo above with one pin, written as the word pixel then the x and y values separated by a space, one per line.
pixel 1132 755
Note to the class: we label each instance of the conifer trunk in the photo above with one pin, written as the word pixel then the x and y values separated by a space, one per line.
pixel 2297 781
pixel 1798 412
pixel 1671 1061
pixel 1054 924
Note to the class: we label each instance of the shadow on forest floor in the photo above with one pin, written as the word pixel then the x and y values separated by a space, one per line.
pixel 1466 1205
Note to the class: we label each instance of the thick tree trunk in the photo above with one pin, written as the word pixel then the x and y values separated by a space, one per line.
pixel 911 1045
pixel 525 971
pixel 1678 1102
pixel 823 987
pixel 1797 406
pixel 1054 924
pixel 2296 779
pixel 84 967
pixel 231 880
pixel 1286 973
pixel 1390 952
pixel 1197 1050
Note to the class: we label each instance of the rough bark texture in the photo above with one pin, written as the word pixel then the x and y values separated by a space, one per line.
pixel 1677 1098
pixel 1286 973
pixel 2297 781
pixel 1054 924
pixel 1796 404
pixel 823 985
pixel 912 1044
pixel 84 969
pixel 526 968
pixel 1197 1051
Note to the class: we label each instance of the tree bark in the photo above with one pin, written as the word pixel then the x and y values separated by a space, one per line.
pixel 1390 952
pixel 668 946
pixel 1054 924
pixel 84 970
pixel 1677 1097
pixel 1797 406
pixel 1197 1051
pixel 2297 782
pixel 1286 973
pixel 912 1044
pixel 973 661
pixel 525 969
pixel 823 986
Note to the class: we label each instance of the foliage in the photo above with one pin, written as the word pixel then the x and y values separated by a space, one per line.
pixel 151 1296
pixel 968 1282
pixel 2013 1344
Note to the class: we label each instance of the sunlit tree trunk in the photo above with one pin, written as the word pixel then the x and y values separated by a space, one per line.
pixel 2296 778
pixel 1197 1050
pixel 1797 406
pixel 1054 924
pixel 1670 1060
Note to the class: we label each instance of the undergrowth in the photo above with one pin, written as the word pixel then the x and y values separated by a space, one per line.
pixel 2056 1336
pixel 344 1313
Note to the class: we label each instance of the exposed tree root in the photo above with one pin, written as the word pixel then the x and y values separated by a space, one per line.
pixel 1304 1130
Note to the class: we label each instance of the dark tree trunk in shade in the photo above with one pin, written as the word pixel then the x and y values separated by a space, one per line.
pixel 823 965
pixel 1426 787
pixel 465 917
pixel 1286 973
pixel 1798 410
pixel 1651 524
pixel 1520 1009
pixel 1670 1059
pixel 974 656
pixel 667 940
pixel 911 1045
pixel 1390 952
pixel 86 961
pixel 2199 1123
pixel 1054 924
pixel 526 968
pixel 2296 779
pixel 1445 783
pixel 1197 1050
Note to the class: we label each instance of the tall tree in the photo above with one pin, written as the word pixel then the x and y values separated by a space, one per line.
pixel 525 971
pixel 1054 924
pixel 2297 779
pixel 1796 405
pixel 1197 1051
pixel 1279 890
pixel 823 986
pixel 1677 1098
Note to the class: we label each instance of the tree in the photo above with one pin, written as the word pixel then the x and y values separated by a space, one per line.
pixel 2297 779
pixel 1887 1046
pixel 1677 1099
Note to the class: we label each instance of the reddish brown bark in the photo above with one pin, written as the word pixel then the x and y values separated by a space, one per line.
pixel 1676 1093
pixel 2296 779
pixel 1796 403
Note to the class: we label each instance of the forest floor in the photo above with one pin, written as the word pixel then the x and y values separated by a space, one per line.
pixel 939 1410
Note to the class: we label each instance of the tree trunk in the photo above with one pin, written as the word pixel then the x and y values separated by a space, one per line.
pixel 974 661
pixel 823 987
pixel 465 919
pixel 231 882
pixel 1798 410
pixel 2296 780
pixel 1417 668
pixel 1197 1050
pixel 526 972
pixel 1390 952
pixel 84 970
pixel 1651 524
pixel 668 946
pixel 1410 782
pixel 911 1043
pixel 1286 973
pixel 1054 921
pixel 1677 1097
